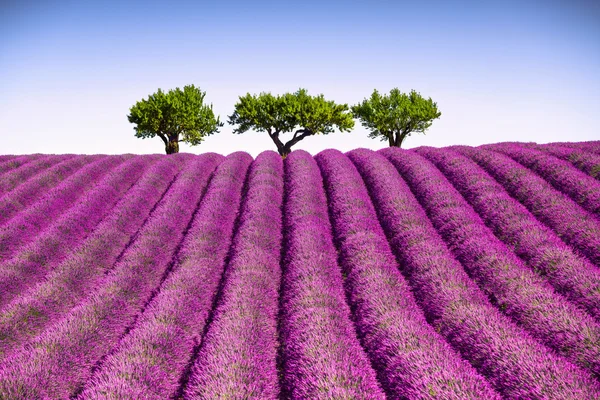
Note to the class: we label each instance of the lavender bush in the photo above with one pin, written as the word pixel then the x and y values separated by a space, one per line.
pixel 237 356
pixel 515 289
pixel 584 161
pixel 151 360
pixel 322 357
pixel 582 189
pixel 30 191
pixel 509 358
pixel 411 358
pixel 451 273
pixel 10 163
pixel 574 225
pixel 82 271
pixel 16 176
pixel 590 147
pixel 58 362
pixel 25 227
pixel 34 260
pixel 573 276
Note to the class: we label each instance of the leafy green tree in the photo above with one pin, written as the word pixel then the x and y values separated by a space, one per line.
pixel 175 116
pixel 396 116
pixel 297 112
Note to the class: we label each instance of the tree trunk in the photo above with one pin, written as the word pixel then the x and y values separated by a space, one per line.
pixel 391 139
pixel 285 150
pixel 172 147
pixel 398 138
pixel 281 148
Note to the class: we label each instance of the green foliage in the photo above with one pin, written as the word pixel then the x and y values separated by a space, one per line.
pixel 175 116
pixel 396 116
pixel 306 115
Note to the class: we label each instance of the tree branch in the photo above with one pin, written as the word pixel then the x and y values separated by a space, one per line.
pixel 163 137
pixel 297 132
pixel 296 139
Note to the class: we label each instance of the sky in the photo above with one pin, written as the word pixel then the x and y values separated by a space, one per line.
pixel 498 70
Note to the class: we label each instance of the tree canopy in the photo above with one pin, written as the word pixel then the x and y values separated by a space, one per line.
pixel 175 116
pixel 297 112
pixel 396 116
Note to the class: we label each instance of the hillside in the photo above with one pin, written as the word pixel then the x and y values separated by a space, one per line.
pixel 448 273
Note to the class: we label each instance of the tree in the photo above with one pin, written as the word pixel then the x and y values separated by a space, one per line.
pixel 297 112
pixel 176 116
pixel 396 116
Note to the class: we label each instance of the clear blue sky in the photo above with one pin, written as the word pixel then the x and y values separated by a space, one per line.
pixel 499 71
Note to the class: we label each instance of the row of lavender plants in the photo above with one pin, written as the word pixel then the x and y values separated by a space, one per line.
pixel 512 361
pixel 238 355
pixel 6 157
pixel 82 271
pixel 13 178
pixel 581 188
pixel 151 361
pixel 576 226
pixel 411 359
pixel 321 355
pixel 513 287
pixel 36 187
pixel 573 276
pixel 32 261
pixel 29 223
pixel 9 163
pixel 585 161
pixel 58 363
pixel 590 146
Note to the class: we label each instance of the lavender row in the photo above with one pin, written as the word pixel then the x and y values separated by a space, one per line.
pixel 33 189
pixel 581 188
pixel 591 146
pixel 35 259
pixel 10 163
pixel 83 270
pixel 584 161
pixel 574 225
pixel 57 363
pixel 322 356
pixel 411 359
pixel 7 157
pixel 17 176
pixel 237 356
pixel 511 360
pixel 515 289
pixel 573 276
pixel 151 360
pixel 26 226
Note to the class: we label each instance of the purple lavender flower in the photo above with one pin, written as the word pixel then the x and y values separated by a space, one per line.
pixel 59 362
pixel 574 225
pixel 35 259
pixel 511 360
pixel 322 357
pixel 26 167
pixel 514 288
pixel 152 358
pixel 411 358
pixel 25 227
pixel 573 276
pixel 581 188
pixel 584 161
pixel 71 280
pixel 237 356
pixel 36 187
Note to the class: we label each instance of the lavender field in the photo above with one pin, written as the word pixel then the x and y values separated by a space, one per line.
pixel 451 273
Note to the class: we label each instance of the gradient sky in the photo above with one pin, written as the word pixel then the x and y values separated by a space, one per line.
pixel 499 71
